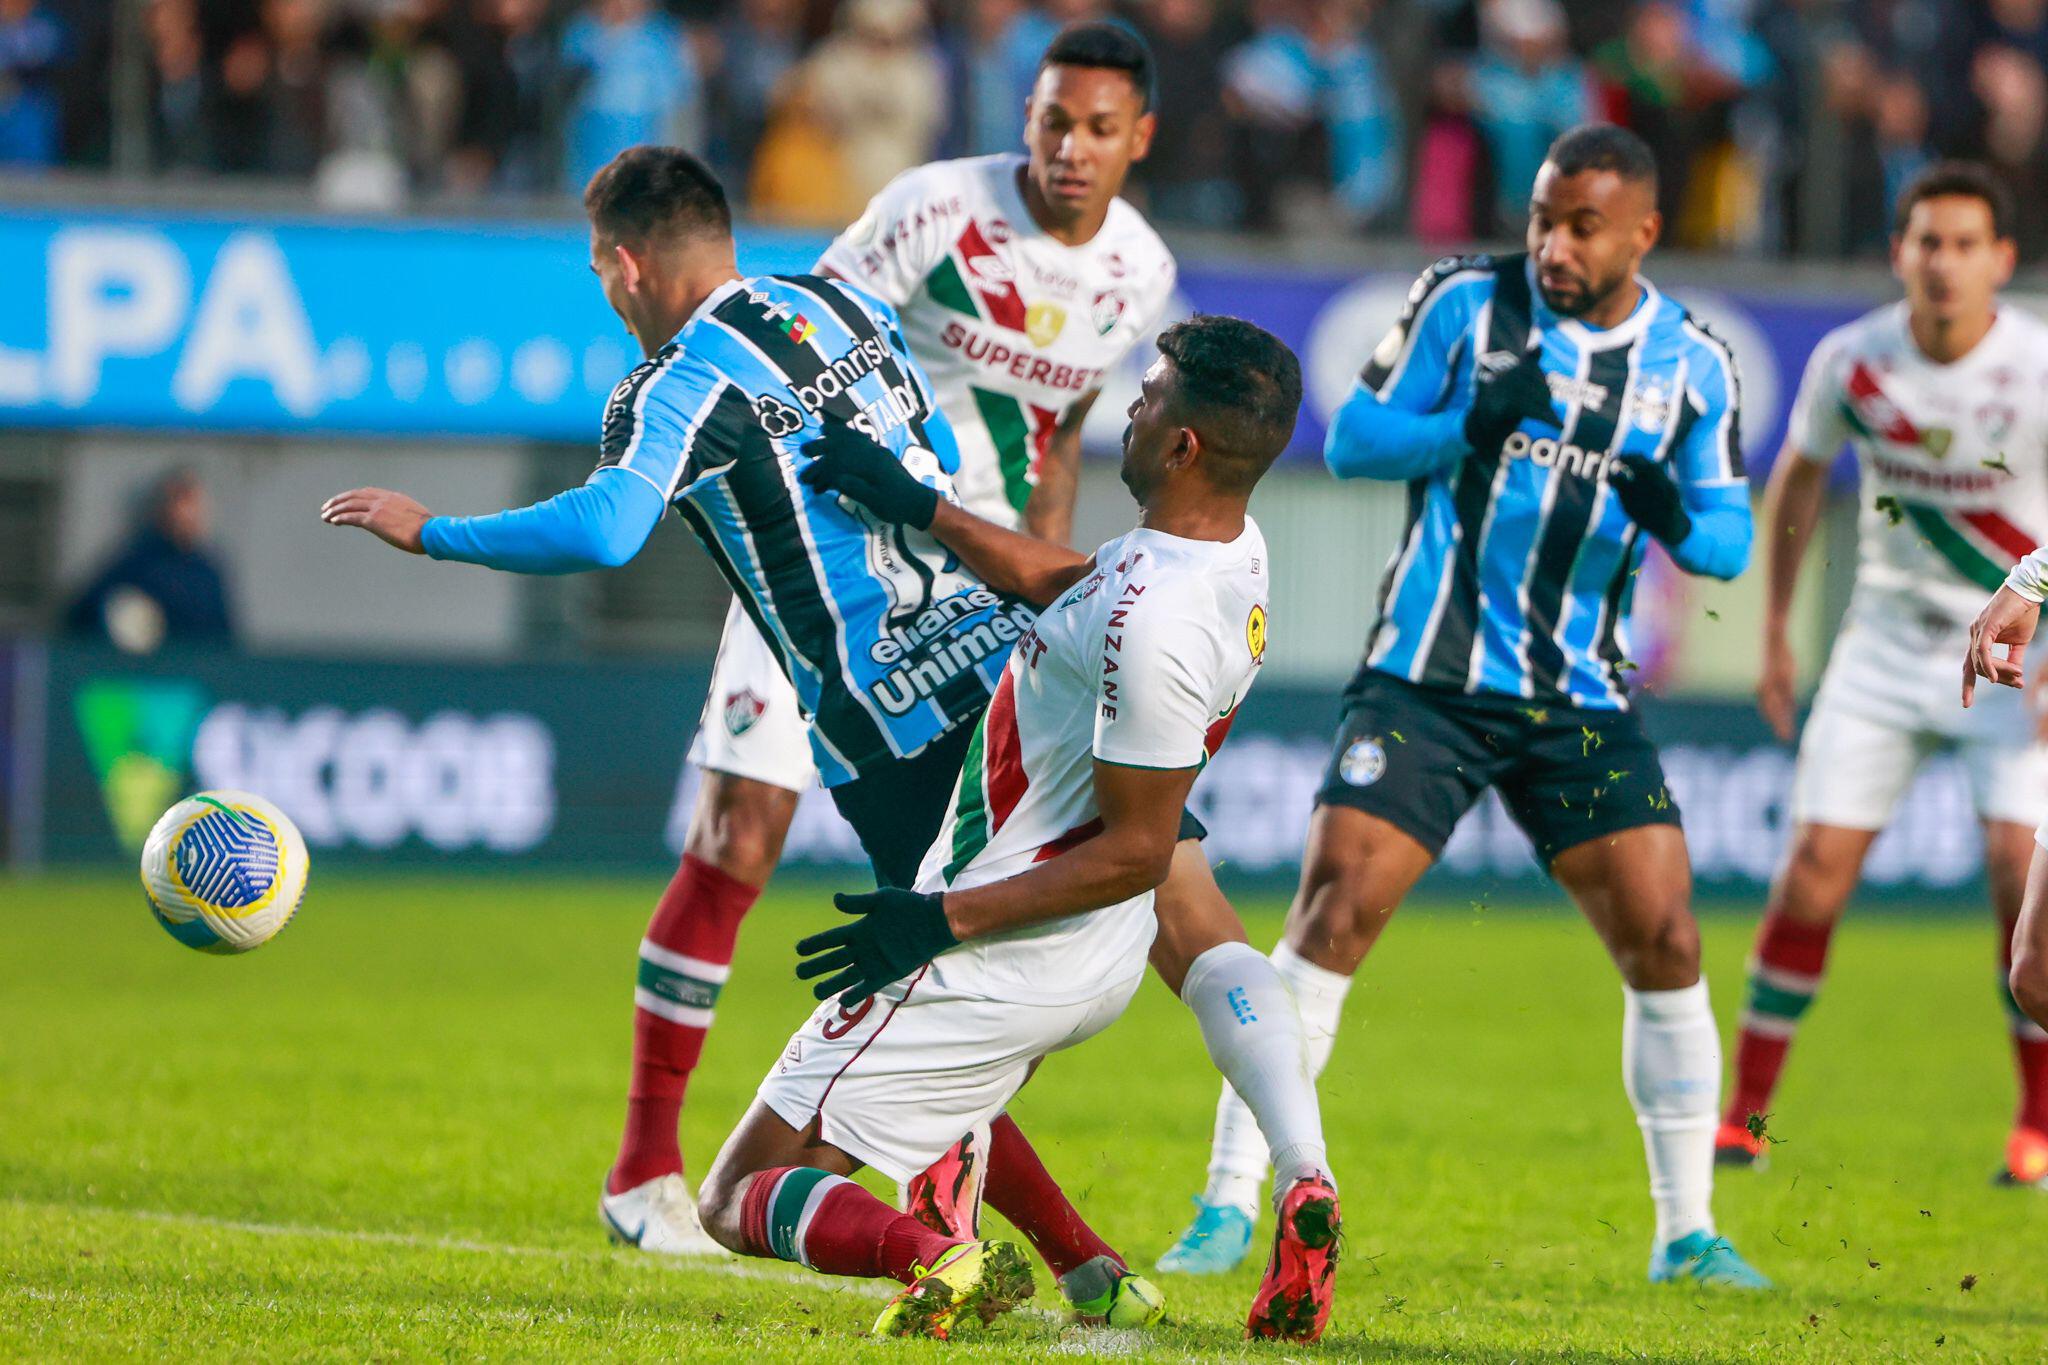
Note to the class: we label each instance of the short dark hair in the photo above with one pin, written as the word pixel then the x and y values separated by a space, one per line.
pixel 1603 147
pixel 648 192
pixel 1106 44
pixel 1240 388
pixel 1960 180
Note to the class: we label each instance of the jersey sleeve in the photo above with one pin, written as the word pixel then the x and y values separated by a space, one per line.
pixel 655 418
pixel 1412 366
pixel 1818 427
pixel 1709 453
pixel 899 240
pixel 1156 682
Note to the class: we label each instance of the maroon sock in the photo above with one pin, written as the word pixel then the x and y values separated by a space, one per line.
pixel 684 961
pixel 1784 976
pixel 1020 1189
pixel 2029 1044
pixel 799 1213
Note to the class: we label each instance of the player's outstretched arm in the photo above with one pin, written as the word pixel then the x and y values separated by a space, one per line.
pixel 600 524
pixel 844 460
pixel 897 931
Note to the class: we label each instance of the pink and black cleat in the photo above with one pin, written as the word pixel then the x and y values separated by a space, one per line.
pixel 946 1196
pixel 1295 1297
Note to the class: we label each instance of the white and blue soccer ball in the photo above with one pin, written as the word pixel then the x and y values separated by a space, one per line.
pixel 224 871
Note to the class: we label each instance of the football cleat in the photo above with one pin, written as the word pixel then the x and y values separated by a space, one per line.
pixel 1214 1244
pixel 971 1282
pixel 946 1196
pixel 1294 1299
pixel 2026 1160
pixel 658 1216
pixel 1735 1145
pixel 1104 1293
pixel 1704 1258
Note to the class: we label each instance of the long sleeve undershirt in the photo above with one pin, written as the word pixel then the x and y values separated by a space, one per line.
pixel 598 525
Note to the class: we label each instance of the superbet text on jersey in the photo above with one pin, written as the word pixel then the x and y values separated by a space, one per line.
pixel 1012 325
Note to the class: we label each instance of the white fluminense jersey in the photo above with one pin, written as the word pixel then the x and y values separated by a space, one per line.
pixel 1142 663
pixel 1954 457
pixel 1011 325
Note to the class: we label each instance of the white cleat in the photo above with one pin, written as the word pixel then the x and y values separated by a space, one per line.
pixel 659 1216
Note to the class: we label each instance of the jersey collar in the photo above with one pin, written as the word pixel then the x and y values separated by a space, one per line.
pixel 1624 333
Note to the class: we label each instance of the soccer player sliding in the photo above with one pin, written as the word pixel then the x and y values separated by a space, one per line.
pixel 863 616
pixel 1031 918
pixel 1548 411
pixel 1942 398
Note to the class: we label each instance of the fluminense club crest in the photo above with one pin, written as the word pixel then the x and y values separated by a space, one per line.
pixel 742 710
pixel 1108 311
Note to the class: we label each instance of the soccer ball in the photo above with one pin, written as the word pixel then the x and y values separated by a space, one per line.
pixel 224 871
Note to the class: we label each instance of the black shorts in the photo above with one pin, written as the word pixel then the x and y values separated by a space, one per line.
pixel 897 811
pixel 1418 757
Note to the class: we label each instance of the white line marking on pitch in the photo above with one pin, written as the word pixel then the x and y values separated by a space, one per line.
pixel 709 1264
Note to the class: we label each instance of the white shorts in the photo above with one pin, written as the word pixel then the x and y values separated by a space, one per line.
pixel 895 1081
pixel 751 725
pixel 1890 699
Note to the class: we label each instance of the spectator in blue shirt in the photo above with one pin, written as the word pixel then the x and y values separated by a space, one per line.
pixel 639 83
pixel 1526 89
pixel 32 45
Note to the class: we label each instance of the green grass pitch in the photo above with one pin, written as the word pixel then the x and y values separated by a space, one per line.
pixel 381 1138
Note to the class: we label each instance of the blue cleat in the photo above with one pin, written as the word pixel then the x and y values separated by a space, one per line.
pixel 1214 1244
pixel 1704 1260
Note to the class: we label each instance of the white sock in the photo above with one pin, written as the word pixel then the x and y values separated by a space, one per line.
pixel 1254 1035
pixel 1238 1153
pixel 1671 1066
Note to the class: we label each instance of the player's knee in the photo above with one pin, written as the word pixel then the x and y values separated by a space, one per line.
pixel 1659 950
pixel 1340 911
pixel 1816 881
pixel 741 838
pixel 718 1205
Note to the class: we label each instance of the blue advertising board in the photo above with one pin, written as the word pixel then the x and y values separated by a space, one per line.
pixel 497 329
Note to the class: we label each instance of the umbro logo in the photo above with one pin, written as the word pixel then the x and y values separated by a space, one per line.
pixel 1498 362
pixel 776 417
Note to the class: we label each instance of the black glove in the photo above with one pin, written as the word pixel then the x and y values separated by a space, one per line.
pixel 1503 398
pixel 897 932
pixel 1650 498
pixel 844 460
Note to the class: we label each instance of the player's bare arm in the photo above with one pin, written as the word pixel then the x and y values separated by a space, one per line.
pixel 846 462
pixel 1792 504
pixel 898 931
pixel 1049 514
pixel 392 517
pixel 1009 561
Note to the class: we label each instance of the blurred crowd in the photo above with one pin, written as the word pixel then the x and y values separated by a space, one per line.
pixel 1782 125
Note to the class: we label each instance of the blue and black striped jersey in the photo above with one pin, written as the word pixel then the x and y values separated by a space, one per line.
pixel 1515 572
pixel 888 639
